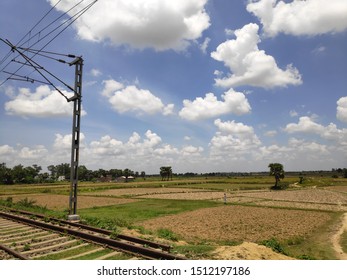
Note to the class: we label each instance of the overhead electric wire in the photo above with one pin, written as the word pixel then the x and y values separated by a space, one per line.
pixel 70 21
pixel 38 68
pixel 43 29
pixel 42 18
pixel 54 21
pixel 42 53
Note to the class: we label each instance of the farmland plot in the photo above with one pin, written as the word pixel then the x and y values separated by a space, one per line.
pixel 143 191
pixel 61 202
pixel 309 199
pixel 240 223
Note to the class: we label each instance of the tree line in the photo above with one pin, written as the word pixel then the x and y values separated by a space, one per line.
pixel 32 174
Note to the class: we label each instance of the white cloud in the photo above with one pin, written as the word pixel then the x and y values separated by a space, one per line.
pixel 299 154
pixel 63 142
pixel 140 153
pixel 251 66
pixel 204 45
pixel 7 153
pixel 319 50
pixel 270 133
pixel 192 151
pixel 310 17
pixel 233 139
pixel 229 32
pixel 43 103
pixel 132 99
pixel 158 24
pixel 341 113
pixel 306 125
pixel 234 128
pixel 95 72
pixel 329 132
pixel 23 155
pixel 209 107
pixel 293 113
pixel 37 152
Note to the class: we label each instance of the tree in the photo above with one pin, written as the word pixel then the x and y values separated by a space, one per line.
pixel 127 173
pixel 19 173
pixel 166 172
pixel 276 169
pixel 84 174
pixel 5 174
pixel 63 169
pixel 53 170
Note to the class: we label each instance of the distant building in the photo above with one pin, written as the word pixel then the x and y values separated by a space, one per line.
pixel 61 178
pixel 124 179
pixel 105 179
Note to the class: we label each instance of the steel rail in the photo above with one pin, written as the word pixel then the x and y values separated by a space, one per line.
pixel 13 253
pixel 116 244
pixel 98 230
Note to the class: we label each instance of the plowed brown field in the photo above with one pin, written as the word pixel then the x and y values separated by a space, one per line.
pixel 61 202
pixel 240 223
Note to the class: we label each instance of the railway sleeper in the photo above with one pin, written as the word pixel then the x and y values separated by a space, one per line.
pixel 55 247
pixel 32 239
pixel 34 235
pixel 78 246
pixel 34 245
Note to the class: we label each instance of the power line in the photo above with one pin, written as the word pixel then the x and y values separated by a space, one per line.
pixel 43 29
pixel 39 69
pixel 29 32
pixel 67 22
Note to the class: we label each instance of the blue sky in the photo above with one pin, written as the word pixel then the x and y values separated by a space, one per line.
pixel 200 85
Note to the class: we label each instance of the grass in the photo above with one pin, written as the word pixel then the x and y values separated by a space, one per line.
pixel 343 241
pixel 143 210
pixel 68 253
pixel 167 234
pixel 317 245
pixel 275 245
pixel 195 251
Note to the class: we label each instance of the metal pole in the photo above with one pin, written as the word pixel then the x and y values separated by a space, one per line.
pixel 76 127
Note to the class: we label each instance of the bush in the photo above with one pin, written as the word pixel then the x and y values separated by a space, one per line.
pixel 274 245
pixel 25 202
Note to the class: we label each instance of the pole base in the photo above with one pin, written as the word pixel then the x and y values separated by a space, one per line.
pixel 73 218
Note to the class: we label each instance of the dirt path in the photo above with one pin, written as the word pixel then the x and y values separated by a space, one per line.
pixel 336 239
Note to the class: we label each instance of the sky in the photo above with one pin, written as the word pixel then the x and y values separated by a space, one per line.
pixel 199 85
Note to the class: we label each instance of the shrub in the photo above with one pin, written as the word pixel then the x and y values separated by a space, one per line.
pixel 280 186
pixel 25 202
pixel 274 245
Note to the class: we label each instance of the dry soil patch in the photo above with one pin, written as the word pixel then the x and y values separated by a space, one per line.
pixel 60 202
pixel 247 251
pixel 302 205
pixel 240 223
pixel 142 191
pixel 310 195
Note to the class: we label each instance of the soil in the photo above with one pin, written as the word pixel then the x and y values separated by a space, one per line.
pixel 61 202
pixel 309 195
pixel 240 223
pixel 302 205
pixel 144 191
pixel 247 251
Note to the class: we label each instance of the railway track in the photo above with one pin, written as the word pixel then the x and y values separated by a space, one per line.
pixel 26 235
